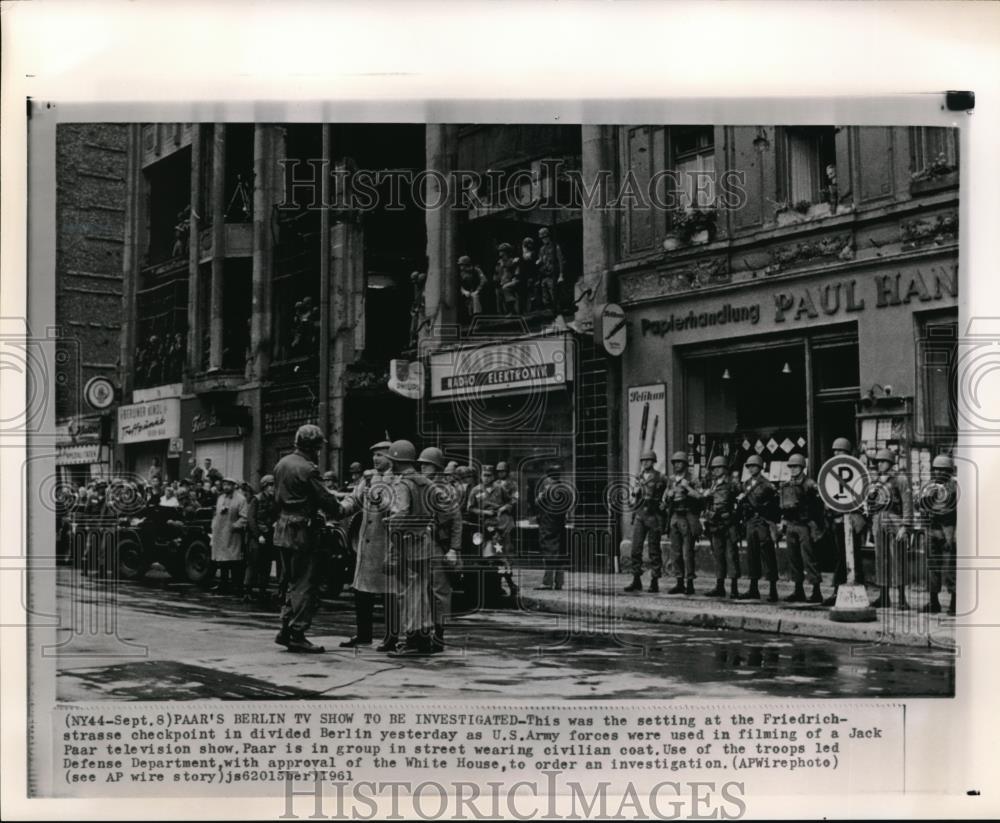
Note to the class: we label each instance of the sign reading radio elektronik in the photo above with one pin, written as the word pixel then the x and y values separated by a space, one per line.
pixel 524 365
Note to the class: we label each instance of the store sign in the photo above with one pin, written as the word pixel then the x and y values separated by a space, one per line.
pixel 406 378
pixel 526 365
pixel 647 425
pixel 156 420
pixel 614 329
pixel 82 453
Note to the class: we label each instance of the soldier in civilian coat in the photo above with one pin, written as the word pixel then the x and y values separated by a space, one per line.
pixel 228 526
pixel 371 582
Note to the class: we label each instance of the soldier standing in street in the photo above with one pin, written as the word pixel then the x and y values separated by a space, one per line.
pixel 681 500
pixel 890 508
pixel 760 514
pixel 372 499
pixel 940 500
pixel 260 548
pixel 842 446
pixel 228 527
pixel 410 549
pixel 552 527
pixel 299 496
pixel 720 511
pixel 356 472
pixel 647 522
pixel 489 504
pixel 801 509
pixel 447 538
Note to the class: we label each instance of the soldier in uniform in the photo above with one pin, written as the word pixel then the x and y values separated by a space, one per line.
pixel 940 500
pixel 889 506
pixel 372 499
pixel 260 548
pixel 509 485
pixel 681 501
pixel 759 501
pixel 720 512
pixel 330 481
pixel 647 522
pixel 843 446
pixel 356 473
pixel 489 503
pixel 299 496
pixel 801 509
pixel 552 527
pixel 447 538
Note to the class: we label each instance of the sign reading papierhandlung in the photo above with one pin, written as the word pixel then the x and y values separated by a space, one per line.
pixel 155 420
pixel 489 370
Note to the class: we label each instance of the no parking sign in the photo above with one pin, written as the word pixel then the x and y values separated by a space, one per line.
pixel 843 483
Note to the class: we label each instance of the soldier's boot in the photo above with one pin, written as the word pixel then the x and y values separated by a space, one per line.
pixel 753 593
pixel 934 606
pixel 635 585
pixel 300 644
pixel 882 601
pixel 797 596
pixel 678 588
pixel 951 605
pixel 654 585
pixel 719 590
pixel 772 595
pixel 903 604
pixel 817 595
pixel 388 644
pixel 689 586
pixel 734 589
pixel 283 638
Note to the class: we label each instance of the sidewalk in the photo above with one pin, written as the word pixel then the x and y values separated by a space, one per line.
pixel 599 600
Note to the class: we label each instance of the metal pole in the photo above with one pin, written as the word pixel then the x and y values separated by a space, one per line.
pixel 849 550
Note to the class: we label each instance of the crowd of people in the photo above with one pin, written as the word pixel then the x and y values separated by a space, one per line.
pixel 759 511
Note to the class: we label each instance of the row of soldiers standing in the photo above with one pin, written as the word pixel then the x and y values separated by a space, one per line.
pixel 756 510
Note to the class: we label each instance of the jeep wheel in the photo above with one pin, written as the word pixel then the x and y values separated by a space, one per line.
pixel 198 565
pixel 132 564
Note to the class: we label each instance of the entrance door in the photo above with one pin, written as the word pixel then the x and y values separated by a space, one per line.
pixel 227 456
pixel 835 389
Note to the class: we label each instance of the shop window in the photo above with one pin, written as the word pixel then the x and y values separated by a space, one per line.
pixel 168 187
pixel 238 186
pixel 933 151
pixel 809 164
pixel 236 309
pixel 693 150
pixel 835 366
pixel 937 354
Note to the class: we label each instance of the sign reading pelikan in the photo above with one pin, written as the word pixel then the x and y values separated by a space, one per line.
pixel 155 420
pixel 524 365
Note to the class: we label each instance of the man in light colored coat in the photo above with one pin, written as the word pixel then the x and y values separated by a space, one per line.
pixel 228 526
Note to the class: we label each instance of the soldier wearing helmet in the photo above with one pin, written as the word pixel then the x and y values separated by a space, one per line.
pixel 447 540
pixel 647 522
pixel 759 502
pixel 356 471
pixel 550 504
pixel 261 514
pixel 509 485
pixel 889 506
pixel 489 505
pixel 801 513
pixel 720 512
pixel 681 502
pixel 842 446
pixel 331 481
pixel 300 497
pixel 372 499
pixel 939 499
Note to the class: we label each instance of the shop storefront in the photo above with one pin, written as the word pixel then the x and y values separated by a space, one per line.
pixel 80 453
pixel 785 366
pixel 150 431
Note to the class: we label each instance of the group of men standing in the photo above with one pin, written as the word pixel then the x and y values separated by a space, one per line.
pixel 757 510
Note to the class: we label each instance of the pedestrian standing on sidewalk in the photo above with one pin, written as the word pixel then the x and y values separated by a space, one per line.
pixel 228 529
pixel 447 540
pixel 260 547
pixel 801 512
pixel 647 522
pixel 720 511
pixel 372 499
pixel 760 514
pixel 300 496
pixel 550 500
pixel 681 503
pixel 940 500
pixel 842 446
pixel 889 506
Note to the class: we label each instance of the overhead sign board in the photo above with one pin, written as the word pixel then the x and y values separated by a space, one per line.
pixel 155 420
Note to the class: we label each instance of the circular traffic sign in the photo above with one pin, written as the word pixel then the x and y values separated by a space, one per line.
pixel 99 392
pixel 614 329
pixel 843 483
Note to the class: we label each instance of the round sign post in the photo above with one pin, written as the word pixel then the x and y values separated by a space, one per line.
pixel 843 484
pixel 614 329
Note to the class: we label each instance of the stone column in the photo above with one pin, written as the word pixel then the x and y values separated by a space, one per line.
pixel 131 255
pixel 441 291
pixel 193 364
pixel 261 322
pixel 598 154
pixel 218 207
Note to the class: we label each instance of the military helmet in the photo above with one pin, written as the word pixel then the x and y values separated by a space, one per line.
pixel 432 455
pixel 507 247
pixel 309 437
pixel 942 461
pixel 355 468
pixel 465 260
pixel 329 475
pixel 648 455
pixel 402 451
pixel 718 462
pixel 502 466
pixel 755 460
pixel 466 471
pixel 842 444
pixel 797 460
pixel 486 468
pixel 884 454
pixel 452 467
pixel 679 457
pixel 267 480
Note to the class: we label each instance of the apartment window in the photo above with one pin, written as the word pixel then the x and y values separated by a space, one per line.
pixel 933 150
pixel 810 156
pixel 937 355
pixel 693 149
